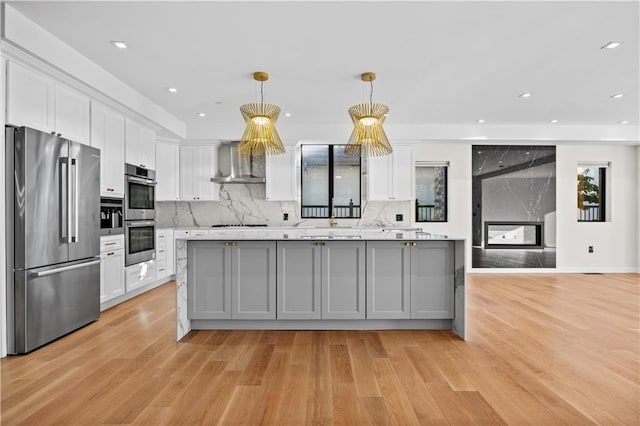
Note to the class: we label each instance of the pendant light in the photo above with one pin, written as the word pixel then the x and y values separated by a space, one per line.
pixel 260 137
pixel 368 137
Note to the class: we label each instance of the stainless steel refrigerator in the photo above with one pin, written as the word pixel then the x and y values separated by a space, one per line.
pixel 53 228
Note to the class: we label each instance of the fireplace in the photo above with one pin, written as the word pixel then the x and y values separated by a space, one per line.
pixel 514 235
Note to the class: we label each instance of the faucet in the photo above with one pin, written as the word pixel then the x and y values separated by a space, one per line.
pixel 333 222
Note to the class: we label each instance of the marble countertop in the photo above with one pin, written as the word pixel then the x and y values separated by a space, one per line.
pixel 334 234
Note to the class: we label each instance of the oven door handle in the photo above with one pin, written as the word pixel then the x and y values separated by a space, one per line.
pixel 141 180
pixel 140 223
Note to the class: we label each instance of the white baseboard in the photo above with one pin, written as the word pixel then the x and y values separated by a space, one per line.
pixel 599 270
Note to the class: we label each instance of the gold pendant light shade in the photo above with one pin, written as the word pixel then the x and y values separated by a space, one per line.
pixel 368 137
pixel 260 137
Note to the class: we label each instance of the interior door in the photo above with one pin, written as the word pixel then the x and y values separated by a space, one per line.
pixel 85 201
pixel 40 198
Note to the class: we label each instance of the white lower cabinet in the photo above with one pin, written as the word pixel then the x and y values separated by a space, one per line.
pixel 321 280
pixel 111 267
pixel 232 280
pixel 164 253
pixel 140 274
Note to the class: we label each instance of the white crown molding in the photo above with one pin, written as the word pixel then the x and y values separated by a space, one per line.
pixel 16 54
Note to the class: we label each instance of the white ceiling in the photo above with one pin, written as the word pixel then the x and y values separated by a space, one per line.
pixel 441 63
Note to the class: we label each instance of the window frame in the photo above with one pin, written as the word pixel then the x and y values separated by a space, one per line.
pixel 330 184
pixel 603 170
pixel 433 164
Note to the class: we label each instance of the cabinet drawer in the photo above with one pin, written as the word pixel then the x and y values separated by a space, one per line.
pixel 182 233
pixel 111 243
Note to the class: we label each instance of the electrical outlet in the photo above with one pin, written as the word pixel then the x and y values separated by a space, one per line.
pixel 590 249
pixel 285 216
pixel 399 218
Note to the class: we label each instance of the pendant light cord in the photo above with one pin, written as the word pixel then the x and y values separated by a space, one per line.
pixel 371 93
pixel 261 93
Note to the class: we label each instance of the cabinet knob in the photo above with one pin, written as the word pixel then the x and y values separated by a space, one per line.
pixel 227 244
pixel 414 244
pixel 407 244
pixel 234 244
pixel 110 253
pixel 316 244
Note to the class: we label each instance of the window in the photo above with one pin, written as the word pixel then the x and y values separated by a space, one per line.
pixel 431 192
pixel 330 182
pixel 592 184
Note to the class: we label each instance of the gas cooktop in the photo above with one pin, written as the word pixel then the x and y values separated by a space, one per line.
pixel 252 225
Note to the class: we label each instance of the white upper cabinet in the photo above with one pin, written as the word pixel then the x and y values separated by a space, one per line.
pixel 167 171
pixel 390 176
pixel 197 167
pixel 107 134
pixel 37 101
pixel 140 145
pixel 72 114
pixel 281 180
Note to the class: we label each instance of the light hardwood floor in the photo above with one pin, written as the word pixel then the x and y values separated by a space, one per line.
pixel 542 349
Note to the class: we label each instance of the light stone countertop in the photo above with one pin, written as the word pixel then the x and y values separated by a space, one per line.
pixel 331 234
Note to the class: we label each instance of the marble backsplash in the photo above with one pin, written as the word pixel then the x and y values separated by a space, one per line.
pixel 245 204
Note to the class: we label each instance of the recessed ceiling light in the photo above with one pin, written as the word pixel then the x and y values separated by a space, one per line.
pixel 119 44
pixel 201 114
pixel 287 114
pixel 172 89
pixel 623 121
pixel 611 45
pixel 480 121
pixel 553 121
pixel 616 96
pixel 524 95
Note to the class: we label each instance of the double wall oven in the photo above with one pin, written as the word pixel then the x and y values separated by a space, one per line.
pixel 139 214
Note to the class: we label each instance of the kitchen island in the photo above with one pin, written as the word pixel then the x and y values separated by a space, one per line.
pixel 319 279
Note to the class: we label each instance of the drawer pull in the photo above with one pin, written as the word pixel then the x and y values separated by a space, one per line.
pixel 110 253
pixel 110 244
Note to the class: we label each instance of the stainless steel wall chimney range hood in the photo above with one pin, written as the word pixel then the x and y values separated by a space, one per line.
pixel 236 168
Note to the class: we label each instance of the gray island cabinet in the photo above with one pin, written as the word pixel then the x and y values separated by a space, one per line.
pixel 321 280
pixel 292 280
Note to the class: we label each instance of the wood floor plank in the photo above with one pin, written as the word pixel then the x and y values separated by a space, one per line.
pixel 541 349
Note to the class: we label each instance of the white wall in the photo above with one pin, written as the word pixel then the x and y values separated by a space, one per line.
pixel 616 240
pixel 458 154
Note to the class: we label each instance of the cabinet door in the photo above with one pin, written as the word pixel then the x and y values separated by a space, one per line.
pixel 111 275
pixel 209 280
pixel 139 275
pixel 132 135
pixel 30 98
pixel 167 170
pixel 432 285
pixel 187 164
pixel 390 177
pixel 403 172
pixel 299 280
pixel 72 115
pixel 281 180
pixel 161 254
pixel 205 166
pixel 107 134
pixel 253 285
pixel 147 147
pixel 388 280
pixel 343 280
pixel 380 177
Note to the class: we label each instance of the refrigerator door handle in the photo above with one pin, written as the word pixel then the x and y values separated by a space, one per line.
pixel 65 226
pixel 74 169
pixel 65 268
